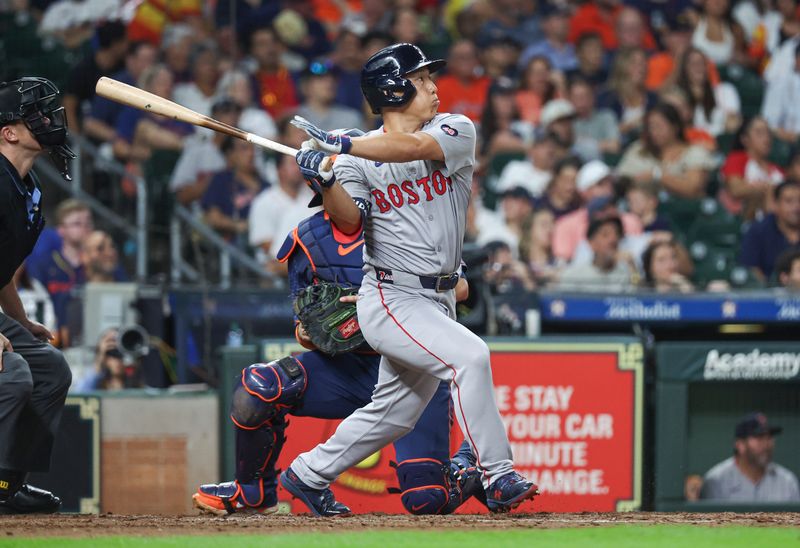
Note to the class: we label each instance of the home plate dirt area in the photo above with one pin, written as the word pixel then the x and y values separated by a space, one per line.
pixel 109 524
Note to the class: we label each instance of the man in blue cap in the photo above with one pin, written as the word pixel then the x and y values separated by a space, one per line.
pixel 750 475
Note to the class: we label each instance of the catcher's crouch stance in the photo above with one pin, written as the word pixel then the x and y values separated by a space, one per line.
pixel 314 384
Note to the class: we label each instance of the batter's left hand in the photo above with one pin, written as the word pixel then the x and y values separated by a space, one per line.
pixel 39 331
pixel 316 169
pixel 322 140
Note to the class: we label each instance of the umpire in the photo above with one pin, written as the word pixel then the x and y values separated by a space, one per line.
pixel 34 377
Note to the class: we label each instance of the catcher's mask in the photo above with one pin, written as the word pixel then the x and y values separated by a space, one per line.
pixel 34 101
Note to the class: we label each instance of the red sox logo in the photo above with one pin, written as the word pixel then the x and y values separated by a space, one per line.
pixel 407 192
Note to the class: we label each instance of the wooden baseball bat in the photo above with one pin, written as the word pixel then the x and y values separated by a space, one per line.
pixel 149 102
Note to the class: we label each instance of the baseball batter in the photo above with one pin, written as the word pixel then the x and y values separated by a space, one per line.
pixel 410 185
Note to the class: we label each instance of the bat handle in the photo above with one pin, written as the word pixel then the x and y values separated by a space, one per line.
pixel 272 145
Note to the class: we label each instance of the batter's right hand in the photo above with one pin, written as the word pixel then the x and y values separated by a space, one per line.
pixel 332 143
pixel 313 167
pixel 5 346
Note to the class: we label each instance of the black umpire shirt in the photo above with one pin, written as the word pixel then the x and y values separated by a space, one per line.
pixel 21 219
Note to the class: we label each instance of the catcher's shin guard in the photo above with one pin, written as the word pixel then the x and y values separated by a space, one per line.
pixel 425 487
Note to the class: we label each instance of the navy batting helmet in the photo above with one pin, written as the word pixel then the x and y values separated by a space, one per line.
pixel 382 79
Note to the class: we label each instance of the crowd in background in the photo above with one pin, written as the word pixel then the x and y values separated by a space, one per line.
pixel 637 144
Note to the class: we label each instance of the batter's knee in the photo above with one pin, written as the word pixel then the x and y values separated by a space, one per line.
pixel 478 354
pixel 266 389
pixel 17 382
pixel 423 486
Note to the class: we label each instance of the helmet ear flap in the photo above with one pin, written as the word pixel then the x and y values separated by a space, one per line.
pixel 394 92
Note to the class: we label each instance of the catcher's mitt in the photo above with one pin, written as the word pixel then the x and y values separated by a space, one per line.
pixel 330 324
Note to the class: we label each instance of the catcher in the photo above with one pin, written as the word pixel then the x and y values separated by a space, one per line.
pixel 329 385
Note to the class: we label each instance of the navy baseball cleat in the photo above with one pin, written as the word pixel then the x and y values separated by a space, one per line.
pixel 509 491
pixel 320 501
pixel 222 499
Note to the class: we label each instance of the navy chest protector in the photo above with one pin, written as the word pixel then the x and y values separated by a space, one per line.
pixel 316 250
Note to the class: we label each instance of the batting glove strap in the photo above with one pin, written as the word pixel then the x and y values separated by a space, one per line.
pixel 323 140
pixel 310 163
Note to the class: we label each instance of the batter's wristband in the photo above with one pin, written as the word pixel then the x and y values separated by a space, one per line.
pixel 347 144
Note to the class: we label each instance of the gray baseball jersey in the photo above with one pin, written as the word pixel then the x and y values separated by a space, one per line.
pixel 415 227
pixel 418 209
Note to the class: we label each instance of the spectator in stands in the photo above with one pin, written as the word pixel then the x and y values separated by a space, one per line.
pixel 675 96
pixel 605 273
pixel 536 247
pixel 781 100
pixel 642 198
pixel 140 133
pixel 198 94
pixel 176 45
pixel 501 129
pixel 660 263
pixel 561 196
pixel 35 299
pixel 788 269
pixel 274 84
pixel 107 59
pixel 557 119
pixel 102 118
pixel 596 130
pixel 62 271
pixel 237 86
pixel 716 108
pixel 750 475
pixel 276 211
pixel 348 58
pixel 405 26
pixel 535 171
pixel 498 55
pixel 718 36
pixel 201 157
pixel 484 225
pixel 663 155
pixel 536 89
pixel 661 65
pixel 318 84
pixel 231 192
pixel 631 30
pixel 463 89
pixel 601 16
pixel 516 205
pixel 591 62
pixel 748 176
pixel 555 47
pixel 594 179
pixel 100 260
pixel 503 272
pixel 626 94
pixel 766 239
pixel 111 372
pixel 509 18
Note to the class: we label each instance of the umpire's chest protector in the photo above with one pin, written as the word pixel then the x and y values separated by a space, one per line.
pixel 316 250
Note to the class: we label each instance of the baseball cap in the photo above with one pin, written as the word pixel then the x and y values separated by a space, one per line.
pixel 591 173
pixel 596 205
pixel 502 84
pixel 319 67
pixel 555 110
pixel 755 424
pixel 225 104
pixel 680 23
pixel 517 192
pixel 495 37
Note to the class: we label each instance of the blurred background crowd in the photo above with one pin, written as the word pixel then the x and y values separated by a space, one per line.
pixel 628 145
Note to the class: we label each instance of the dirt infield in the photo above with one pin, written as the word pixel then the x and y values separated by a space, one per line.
pixel 94 526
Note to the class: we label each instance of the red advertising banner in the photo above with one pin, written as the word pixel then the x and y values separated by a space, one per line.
pixel 573 415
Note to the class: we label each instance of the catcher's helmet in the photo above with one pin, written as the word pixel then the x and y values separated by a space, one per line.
pixel 34 101
pixel 382 79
